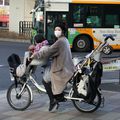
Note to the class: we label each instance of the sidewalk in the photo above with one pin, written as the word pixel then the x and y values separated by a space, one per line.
pixel 39 109
pixel 14 40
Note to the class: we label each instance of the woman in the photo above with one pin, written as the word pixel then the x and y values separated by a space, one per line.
pixel 62 67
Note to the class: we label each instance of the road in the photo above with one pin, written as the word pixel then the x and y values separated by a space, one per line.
pixel 7 48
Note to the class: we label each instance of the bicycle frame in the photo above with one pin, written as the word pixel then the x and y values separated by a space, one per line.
pixel 36 84
pixel 33 81
pixel 20 93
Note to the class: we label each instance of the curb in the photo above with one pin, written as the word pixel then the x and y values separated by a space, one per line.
pixel 14 40
pixel 109 81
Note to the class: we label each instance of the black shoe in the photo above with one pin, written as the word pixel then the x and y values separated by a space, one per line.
pixel 60 97
pixel 62 100
pixel 53 106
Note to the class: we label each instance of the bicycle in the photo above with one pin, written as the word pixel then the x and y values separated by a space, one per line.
pixel 21 93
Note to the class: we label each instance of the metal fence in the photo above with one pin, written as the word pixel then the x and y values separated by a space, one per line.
pixel 25 28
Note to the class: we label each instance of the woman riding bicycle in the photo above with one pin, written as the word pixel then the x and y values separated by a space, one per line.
pixel 62 67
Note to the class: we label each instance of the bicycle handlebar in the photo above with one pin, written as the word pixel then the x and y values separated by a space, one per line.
pixel 109 36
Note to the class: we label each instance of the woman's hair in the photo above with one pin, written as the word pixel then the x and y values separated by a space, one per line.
pixel 39 38
pixel 63 26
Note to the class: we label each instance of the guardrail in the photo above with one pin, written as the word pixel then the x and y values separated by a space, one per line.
pixel 25 28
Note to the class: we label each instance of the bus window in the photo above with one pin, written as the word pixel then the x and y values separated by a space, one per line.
pixel 93 17
pixel 112 16
pixel 111 20
pixel 78 12
pixel 93 21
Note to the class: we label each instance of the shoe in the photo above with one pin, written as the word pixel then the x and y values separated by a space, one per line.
pixel 53 106
pixel 62 100
pixel 60 97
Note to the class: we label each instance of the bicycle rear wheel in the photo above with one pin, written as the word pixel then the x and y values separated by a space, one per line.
pixel 16 101
pixel 84 106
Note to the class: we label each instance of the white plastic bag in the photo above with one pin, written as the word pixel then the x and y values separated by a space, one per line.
pixel 82 86
pixel 20 71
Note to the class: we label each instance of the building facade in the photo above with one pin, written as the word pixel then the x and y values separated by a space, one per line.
pixel 19 11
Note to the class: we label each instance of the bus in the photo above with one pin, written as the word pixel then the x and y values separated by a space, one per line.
pixel 88 21
pixel 4 13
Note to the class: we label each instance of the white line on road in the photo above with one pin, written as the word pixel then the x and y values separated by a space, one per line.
pixel 3 66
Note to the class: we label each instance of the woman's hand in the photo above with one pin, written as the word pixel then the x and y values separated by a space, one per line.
pixel 28 61
pixel 31 48
pixel 32 56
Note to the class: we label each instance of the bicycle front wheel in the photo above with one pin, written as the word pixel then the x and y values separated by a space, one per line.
pixel 84 106
pixel 16 100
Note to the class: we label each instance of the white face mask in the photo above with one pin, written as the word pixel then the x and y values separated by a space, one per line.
pixel 58 33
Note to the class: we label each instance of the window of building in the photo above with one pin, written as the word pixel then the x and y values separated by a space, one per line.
pixel 1 2
pixel 7 2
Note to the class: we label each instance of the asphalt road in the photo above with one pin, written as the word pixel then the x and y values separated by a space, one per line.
pixel 7 48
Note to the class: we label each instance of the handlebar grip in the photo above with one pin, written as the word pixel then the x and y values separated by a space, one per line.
pixel 109 36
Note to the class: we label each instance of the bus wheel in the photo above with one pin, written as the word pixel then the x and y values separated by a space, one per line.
pixel 81 44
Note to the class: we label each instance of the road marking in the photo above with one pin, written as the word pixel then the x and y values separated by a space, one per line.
pixel 3 66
